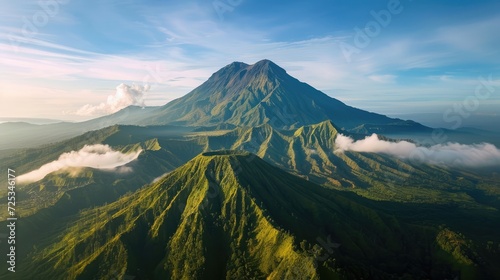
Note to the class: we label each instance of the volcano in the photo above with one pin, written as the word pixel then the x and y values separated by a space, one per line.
pixel 262 93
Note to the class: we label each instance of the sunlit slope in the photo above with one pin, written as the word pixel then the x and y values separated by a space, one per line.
pixel 230 215
pixel 308 151
pixel 432 196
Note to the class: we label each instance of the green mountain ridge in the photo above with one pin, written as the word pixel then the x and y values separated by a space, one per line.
pixel 307 152
pixel 230 215
pixel 448 197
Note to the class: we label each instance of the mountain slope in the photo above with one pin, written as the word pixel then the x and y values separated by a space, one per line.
pixel 433 196
pixel 250 95
pixel 249 214
pixel 158 156
pixel 308 152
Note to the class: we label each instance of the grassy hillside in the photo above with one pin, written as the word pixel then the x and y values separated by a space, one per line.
pixel 453 213
pixel 307 152
pixel 260 222
pixel 154 161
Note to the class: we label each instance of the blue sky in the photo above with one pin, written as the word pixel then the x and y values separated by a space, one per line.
pixel 59 58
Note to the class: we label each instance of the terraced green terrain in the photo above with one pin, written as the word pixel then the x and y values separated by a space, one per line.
pixel 86 210
pixel 230 215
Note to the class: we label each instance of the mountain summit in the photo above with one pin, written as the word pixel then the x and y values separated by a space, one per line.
pixel 251 95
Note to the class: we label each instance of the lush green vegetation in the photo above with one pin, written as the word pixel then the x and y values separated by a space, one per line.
pixel 231 215
pixel 307 152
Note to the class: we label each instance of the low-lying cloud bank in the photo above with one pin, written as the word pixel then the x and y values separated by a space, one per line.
pixel 449 154
pixel 95 156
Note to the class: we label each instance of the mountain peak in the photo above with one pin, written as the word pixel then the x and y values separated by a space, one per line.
pixel 237 64
pixel 229 70
pixel 266 66
pixel 263 67
pixel 260 63
pixel 265 63
pixel 251 95
pixel 220 163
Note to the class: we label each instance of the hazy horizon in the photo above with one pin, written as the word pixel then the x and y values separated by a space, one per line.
pixel 433 120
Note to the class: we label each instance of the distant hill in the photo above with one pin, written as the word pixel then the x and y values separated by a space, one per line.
pixel 29 120
pixel 15 135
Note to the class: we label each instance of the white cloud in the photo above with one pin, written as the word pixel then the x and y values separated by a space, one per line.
pixel 125 96
pixel 449 154
pixel 96 156
pixel 384 79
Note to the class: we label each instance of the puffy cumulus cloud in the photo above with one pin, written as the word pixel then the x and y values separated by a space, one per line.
pixel 95 156
pixel 125 96
pixel 449 154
